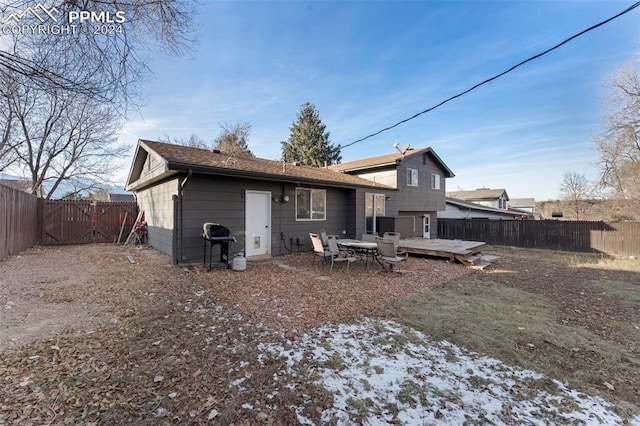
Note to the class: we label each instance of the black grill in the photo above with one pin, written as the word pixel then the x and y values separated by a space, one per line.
pixel 216 234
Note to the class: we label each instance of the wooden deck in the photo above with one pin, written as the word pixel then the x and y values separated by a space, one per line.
pixel 451 249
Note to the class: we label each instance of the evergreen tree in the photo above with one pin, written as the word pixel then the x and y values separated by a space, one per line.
pixel 309 141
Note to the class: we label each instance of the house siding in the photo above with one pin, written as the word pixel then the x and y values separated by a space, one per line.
pixel 221 200
pixel 421 198
pixel 416 201
pixel 407 201
pixel 153 166
pixel 158 206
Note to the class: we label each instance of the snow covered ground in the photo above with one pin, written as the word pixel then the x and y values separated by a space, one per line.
pixel 383 373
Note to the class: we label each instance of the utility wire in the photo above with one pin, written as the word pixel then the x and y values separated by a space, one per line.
pixel 627 10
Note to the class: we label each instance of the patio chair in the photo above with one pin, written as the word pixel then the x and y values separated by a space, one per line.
pixel 370 238
pixel 319 249
pixel 395 237
pixel 338 255
pixel 387 254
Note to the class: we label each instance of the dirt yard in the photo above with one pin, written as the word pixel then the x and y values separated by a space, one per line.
pixel 100 334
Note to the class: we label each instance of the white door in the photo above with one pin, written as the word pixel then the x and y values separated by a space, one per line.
pixel 257 223
pixel 426 226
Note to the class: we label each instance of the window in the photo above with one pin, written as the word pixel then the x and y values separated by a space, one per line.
pixel 412 177
pixel 311 204
pixel 435 181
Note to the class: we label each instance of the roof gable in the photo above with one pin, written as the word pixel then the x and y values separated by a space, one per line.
pixel 390 160
pixel 183 158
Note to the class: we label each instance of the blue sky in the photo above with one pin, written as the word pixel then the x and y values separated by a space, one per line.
pixel 366 65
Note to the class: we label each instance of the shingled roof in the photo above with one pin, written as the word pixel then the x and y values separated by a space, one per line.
pixel 185 158
pixel 482 194
pixel 389 159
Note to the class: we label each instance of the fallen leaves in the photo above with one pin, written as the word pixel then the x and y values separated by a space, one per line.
pixel 147 343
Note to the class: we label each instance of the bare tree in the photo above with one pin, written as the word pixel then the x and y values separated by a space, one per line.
pixel 60 136
pixel 63 97
pixel 234 139
pixel 577 193
pixel 7 87
pixel 619 143
pixel 193 141
pixel 104 61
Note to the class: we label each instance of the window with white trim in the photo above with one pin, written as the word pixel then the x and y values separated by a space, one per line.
pixel 435 181
pixel 412 177
pixel 311 204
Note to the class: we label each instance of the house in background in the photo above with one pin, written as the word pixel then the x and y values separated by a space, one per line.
pixel 116 197
pixel 525 204
pixel 111 197
pixel 496 198
pixel 24 185
pixel 418 175
pixel 269 206
pixel 461 209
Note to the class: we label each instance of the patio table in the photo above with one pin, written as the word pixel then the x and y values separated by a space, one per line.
pixel 367 248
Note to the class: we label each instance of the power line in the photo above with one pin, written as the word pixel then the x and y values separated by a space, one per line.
pixel 593 27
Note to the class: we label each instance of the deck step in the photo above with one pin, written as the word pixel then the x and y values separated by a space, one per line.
pixel 468 259
pixel 472 259
pixel 489 257
pixel 480 265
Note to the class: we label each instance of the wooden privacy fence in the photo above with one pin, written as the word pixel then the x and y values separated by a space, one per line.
pixel 614 238
pixel 18 221
pixel 82 222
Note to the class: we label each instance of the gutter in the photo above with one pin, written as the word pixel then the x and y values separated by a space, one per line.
pixel 181 185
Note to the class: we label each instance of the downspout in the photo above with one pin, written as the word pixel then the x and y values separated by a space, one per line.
pixel 180 255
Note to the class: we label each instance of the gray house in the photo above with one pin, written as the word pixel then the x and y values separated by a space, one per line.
pixel 269 206
pixel 418 176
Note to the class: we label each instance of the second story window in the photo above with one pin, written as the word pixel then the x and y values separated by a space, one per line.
pixel 412 177
pixel 435 181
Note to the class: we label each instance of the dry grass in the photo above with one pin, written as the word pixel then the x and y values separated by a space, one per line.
pixel 553 312
pixel 576 260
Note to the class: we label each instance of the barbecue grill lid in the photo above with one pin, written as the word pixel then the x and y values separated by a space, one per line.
pixel 212 230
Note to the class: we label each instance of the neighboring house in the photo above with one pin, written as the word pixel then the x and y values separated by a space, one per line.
pixel 526 204
pixel 111 197
pixel 19 184
pixel 269 206
pixel 114 197
pixel 461 209
pixel 419 178
pixel 496 198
